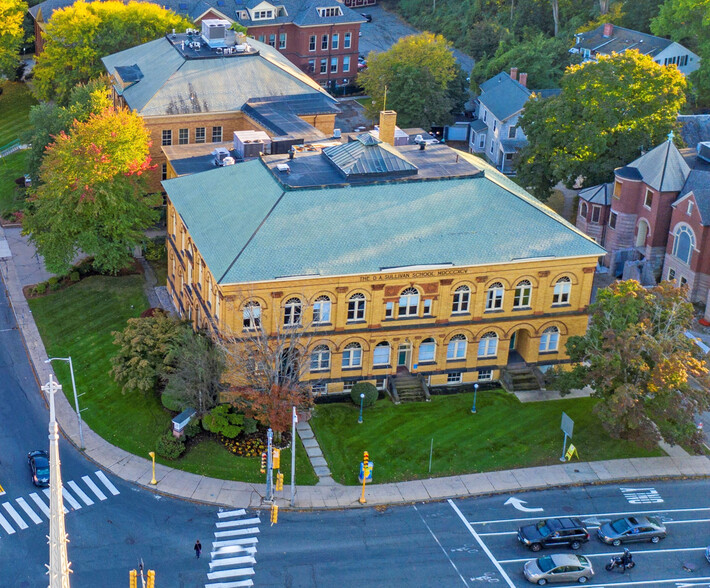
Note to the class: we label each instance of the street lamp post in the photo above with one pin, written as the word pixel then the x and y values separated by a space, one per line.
pixel 362 400
pixel 76 398
pixel 152 456
pixel 475 393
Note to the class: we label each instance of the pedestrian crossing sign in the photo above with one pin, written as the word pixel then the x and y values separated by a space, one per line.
pixel 571 451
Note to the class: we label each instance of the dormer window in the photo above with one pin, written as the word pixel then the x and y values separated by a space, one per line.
pixel 330 11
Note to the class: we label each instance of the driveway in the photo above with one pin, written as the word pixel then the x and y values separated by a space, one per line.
pixel 387 28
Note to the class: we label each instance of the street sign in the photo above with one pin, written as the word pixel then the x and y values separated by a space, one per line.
pixel 571 452
pixel 567 425
pixel 370 467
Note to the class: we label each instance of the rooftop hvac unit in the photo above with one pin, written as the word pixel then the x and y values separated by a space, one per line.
pixel 337 134
pixel 704 151
pixel 283 167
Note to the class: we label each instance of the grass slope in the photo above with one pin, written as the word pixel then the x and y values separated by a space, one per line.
pixel 15 103
pixel 12 167
pixel 504 434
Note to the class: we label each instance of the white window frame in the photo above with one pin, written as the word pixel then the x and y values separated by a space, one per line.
pixel 494 296
pixel 389 310
pixel 378 361
pixel 408 305
pixel 485 374
pixel 200 134
pixel 461 301
pixel 683 229
pixel 456 348
pixel 312 42
pixel 282 40
pixel 334 41
pixel 293 311
pixel 357 305
pixel 689 210
pixel 319 389
pixel 488 345
pixel 347 40
pixel 454 378
pixel 562 291
pixel 427 351
pixel 649 195
pixel 324 42
pixel 346 63
pixel 348 386
pixel 523 294
pixel 320 358
pixel 334 65
pixel 321 310
pixel 549 340
pixel 352 355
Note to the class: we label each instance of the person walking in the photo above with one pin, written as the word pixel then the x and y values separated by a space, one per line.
pixel 198 549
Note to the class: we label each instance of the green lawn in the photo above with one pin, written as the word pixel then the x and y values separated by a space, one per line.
pixel 160 268
pixel 504 434
pixel 78 321
pixel 12 167
pixel 15 103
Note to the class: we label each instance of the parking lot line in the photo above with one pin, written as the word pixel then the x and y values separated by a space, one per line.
pixel 681 582
pixel 682 522
pixel 609 554
pixel 482 544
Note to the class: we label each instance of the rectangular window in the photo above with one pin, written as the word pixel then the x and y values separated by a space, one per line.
pixel 323 66
pixel 164 171
pixel 482 142
pixel 333 65
pixel 453 378
pixel 272 39
pixel 311 65
pixel 612 220
pixel 495 125
pixel 596 212
pixel 335 41
pixel 167 137
pixel 319 389
pixel 348 386
pixel 381 383
pixel 200 135
pixel 485 375
pixel 282 40
pixel 683 61
pixel 183 136
pixel 389 309
pixel 312 43
pixel 492 146
pixel 346 63
pixel 683 281
pixel 331 11
pixel 690 207
pixel 346 41
pixel 485 114
pixel 512 131
pixel 671 275
pixel 617 189
pixel 262 39
pixel 324 42
pixel 427 307
pixel 216 134
pixel 648 199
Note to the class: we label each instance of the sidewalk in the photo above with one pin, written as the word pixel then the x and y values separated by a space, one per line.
pixel 189 486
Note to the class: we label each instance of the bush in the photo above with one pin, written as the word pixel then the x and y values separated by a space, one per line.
pixel 155 249
pixel 41 288
pixel 222 420
pixel 54 287
pixel 193 428
pixel 169 446
pixel 371 393
pixel 74 276
pixel 53 280
pixel 172 402
pixel 249 426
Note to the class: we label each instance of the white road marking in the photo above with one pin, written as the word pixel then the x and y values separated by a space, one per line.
pixel 30 513
pixel 231 513
pixel 641 495
pixel 70 499
pixel 682 522
pixel 243 541
pixel 686 521
pixel 240 584
pixel 681 581
pixel 610 554
pixel 230 573
pixel 80 493
pixel 236 532
pixel 238 523
pixel 224 551
pixel 48 494
pixel 482 544
pixel 39 502
pixel 595 514
pixel 15 515
pixel 6 525
pixel 518 505
pixel 111 488
pixel 453 565
pixel 94 488
pixel 233 561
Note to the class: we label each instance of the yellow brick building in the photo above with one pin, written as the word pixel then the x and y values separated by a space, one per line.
pixel 391 259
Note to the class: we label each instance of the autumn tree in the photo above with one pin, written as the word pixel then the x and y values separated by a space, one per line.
pixel 78 36
pixel 607 112
pixel 92 195
pixel 418 74
pixel 12 34
pixel 641 365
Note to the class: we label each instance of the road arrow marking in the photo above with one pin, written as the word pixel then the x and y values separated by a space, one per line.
pixel 517 503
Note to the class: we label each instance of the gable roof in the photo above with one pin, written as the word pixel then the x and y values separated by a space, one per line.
pixel 503 96
pixel 299 12
pixel 173 84
pixel 264 231
pixel 368 156
pixel 663 168
pixel 620 40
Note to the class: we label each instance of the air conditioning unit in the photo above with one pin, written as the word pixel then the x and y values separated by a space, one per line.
pixel 337 134
pixel 283 167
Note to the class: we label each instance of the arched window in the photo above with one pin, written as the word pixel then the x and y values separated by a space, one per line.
pixel 563 286
pixel 427 350
pixel 321 310
pixel 488 345
pixel 352 355
pixel 320 358
pixel 494 296
pixel 462 295
pixel 409 302
pixel 381 355
pixel 583 209
pixel 252 315
pixel 683 243
pixel 356 307
pixel 457 347
pixel 549 340
pixel 523 292
pixel 292 312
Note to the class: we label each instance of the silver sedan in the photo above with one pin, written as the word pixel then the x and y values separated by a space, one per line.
pixel 558 567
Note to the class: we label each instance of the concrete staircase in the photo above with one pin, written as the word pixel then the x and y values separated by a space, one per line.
pixel 521 377
pixel 410 388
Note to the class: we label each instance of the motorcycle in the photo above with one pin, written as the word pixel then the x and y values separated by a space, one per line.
pixel 621 563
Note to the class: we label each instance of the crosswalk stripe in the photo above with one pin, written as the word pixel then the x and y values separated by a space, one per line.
pixel 111 488
pixel 30 513
pixel 15 515
pixel 39 502
pixel 233 561
pixel 80 493
pixel 70 499
pixel 227 551
pixel 94 488
pixel 230 573
pixel 231 513
pixel 239 523
pixel 229 542
pixel 48 494
pixel 235 532
pixel 6 525
pixel 240 584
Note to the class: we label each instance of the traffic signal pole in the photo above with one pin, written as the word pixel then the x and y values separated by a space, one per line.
pixel 269 466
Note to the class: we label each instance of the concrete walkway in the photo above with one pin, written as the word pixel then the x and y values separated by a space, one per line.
pixel 135 469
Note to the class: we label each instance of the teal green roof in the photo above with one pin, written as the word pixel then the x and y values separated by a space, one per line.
pixel 249 228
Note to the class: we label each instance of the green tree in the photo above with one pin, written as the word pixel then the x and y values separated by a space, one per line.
pixel 223 421
pixel 688 22
pixel 12 34
pixel 92 193
pixel 639 362
pixel 145 354
pixel 637 14
pixel 78 36
pixel 607 112
pixel 419 72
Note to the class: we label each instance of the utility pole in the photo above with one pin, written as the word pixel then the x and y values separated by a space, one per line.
pixel 294 419
pixel 58 560
pixel 269 466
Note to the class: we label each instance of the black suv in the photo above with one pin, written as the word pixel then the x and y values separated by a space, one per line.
pixel 552 533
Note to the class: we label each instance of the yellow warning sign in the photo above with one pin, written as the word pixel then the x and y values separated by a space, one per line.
pixel 571 451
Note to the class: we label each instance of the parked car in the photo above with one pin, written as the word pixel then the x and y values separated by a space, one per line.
pixel 628 529
pixel 554 533
pixel 39 467
pixel 558 567
pixel 367 17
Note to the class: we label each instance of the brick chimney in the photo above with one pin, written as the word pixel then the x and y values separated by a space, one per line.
pixel 514 73
pixel 523 80
pixel 608 30
pixel 388 120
